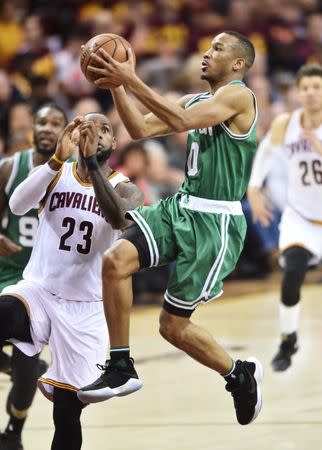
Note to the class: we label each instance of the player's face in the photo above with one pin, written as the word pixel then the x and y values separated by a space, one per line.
pixel 48 124
pixel 310 92
pixel 219 59
pixel 106 139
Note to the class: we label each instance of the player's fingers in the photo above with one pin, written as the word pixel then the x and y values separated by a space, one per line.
pixel 106 57
pixel 129 55
pixel 87 127
pixel 100 81
pixel 88 130
pixel 73 124
pixel 96 70
pixel 10 247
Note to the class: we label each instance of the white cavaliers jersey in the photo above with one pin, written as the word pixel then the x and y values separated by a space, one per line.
pixel 71 238
pixel 304 171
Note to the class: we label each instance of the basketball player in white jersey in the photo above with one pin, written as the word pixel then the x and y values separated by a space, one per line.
pixel 58 302
pixel 299 136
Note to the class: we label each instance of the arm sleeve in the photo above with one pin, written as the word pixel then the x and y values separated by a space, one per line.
pixel 29 193
pixel 262 162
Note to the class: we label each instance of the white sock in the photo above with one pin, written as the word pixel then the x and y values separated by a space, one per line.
pixel 289 318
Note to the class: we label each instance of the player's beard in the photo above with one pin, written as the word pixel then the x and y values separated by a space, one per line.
pixel 48 151
pixel 102 156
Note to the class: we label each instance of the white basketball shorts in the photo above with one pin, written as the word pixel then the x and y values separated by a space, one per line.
pixel 296 230
pixel 75 331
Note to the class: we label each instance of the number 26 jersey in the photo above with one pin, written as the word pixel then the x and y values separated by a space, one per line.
pixel 72 236
pixel 304 170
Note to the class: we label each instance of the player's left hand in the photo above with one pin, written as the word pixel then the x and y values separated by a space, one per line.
pixel 111 70
pixel 89 138
pixel 312 138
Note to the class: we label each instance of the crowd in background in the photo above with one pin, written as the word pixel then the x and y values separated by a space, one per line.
pixel 40 43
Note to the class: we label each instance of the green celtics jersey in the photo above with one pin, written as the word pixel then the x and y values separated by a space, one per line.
pixel 20 229
pixel 218 161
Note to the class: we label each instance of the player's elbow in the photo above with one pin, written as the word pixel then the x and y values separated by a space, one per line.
pixel 136 134
pixel 117 222
pixel 17 207
pixel 180 124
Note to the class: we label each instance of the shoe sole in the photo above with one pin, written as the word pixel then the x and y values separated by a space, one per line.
pixel 100 395
pixel 258 375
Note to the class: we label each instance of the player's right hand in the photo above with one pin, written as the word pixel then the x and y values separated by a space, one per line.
pixel 260 207
pixel 66 143
pixel 8 247
pixel 88 138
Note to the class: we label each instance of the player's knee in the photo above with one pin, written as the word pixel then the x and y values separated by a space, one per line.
pixel 14 321
pixel 171 330
pixel 295 267
pixel 112 264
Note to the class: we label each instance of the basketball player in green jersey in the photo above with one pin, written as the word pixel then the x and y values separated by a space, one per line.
pixel 16 242
pixel 202 227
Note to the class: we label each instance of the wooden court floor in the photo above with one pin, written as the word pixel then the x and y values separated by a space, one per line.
pixel 184 406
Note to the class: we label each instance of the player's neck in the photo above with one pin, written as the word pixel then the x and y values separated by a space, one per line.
pixel 311 120
pixel 39 158
pixel 220 83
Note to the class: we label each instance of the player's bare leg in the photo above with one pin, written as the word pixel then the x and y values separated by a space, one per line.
pixel 195 341
pixel 119 377
pixel 243 377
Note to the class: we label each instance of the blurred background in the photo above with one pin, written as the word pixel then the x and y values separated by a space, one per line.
pixel 40 44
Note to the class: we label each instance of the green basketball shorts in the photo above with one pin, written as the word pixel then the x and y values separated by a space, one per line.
pixel 204 238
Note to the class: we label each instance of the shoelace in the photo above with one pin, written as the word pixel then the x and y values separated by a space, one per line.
pixel 109 364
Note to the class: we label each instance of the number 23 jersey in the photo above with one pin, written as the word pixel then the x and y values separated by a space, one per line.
pixel 72 236
pixel 304 170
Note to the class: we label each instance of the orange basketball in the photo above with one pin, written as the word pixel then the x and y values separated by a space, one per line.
pixel 113 44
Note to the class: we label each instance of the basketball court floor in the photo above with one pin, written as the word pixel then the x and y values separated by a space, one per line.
pixel 184 406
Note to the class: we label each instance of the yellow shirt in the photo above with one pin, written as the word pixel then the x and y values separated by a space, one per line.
pixel 10 40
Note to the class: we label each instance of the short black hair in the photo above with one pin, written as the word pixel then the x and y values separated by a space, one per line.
pixel 52 105
pixel 309 70
pixel 245 48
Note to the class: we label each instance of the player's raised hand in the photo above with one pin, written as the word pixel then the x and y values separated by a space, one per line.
pixel 260 207
pixel 8 247
pixel 89 138
pixel 110 70
pixel 66 141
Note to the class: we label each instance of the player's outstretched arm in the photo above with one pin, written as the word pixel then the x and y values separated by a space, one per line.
pixel 227 102
pixel 140 125
pixel 31 191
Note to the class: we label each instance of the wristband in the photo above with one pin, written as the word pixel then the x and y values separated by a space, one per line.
pixel 58 161
pixel 91 162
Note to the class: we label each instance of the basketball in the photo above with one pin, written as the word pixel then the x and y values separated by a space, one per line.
pixel 113 44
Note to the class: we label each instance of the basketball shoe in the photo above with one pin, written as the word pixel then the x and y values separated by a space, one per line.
pixel 282 359
pixel 243 384
pixel 10 442
pixel 119 379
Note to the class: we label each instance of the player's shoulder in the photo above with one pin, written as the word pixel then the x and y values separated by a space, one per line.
pixel 282 119
pixel 6 165
pixel 278 128
pixel 235 93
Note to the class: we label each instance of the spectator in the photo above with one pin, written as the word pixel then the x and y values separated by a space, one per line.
pixel 10 32
pixel 20 126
